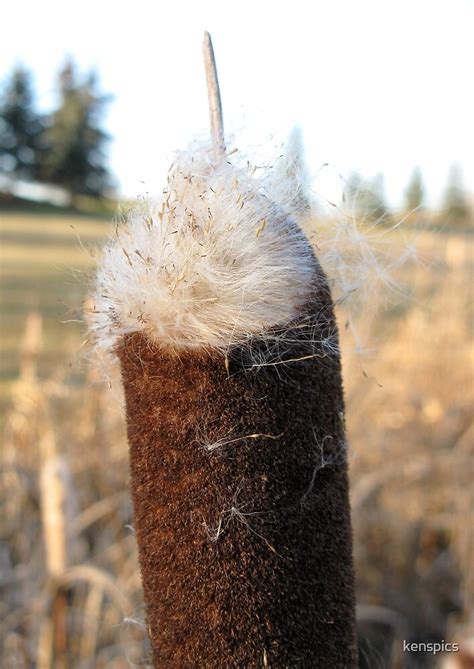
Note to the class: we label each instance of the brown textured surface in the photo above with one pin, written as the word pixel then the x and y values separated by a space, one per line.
pixel 276 587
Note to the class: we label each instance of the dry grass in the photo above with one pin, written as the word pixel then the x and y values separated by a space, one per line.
pixel 411 427
pixel 70 587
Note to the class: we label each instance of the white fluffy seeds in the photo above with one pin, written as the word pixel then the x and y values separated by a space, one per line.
pixel 216 260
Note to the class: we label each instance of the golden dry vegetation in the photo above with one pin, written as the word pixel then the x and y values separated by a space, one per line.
pixel 70 587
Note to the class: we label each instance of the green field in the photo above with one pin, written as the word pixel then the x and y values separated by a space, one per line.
pixel 45 265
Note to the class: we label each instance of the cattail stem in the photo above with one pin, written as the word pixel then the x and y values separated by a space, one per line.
pixel 214 97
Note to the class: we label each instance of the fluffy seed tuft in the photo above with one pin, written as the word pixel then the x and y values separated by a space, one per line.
pixel 214 261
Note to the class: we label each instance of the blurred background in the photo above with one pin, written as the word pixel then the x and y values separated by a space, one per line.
pixel 94 99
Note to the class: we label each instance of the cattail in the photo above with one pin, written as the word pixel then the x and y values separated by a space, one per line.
pixel 31 346
pixel 223 322
pixel 55 488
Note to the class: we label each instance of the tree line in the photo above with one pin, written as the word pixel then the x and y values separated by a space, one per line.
pixel 368 201
pixel 65 147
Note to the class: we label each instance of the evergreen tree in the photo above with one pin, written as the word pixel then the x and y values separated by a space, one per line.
pixel 378 209
pixel 74 142
pixel 415 192
pixel 455 208
pixel 367 198
pixel 352 193
pixel 20 127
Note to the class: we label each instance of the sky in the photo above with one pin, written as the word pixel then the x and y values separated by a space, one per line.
pixel 374 85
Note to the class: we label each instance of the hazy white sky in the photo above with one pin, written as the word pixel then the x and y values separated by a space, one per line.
pixel 375 85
